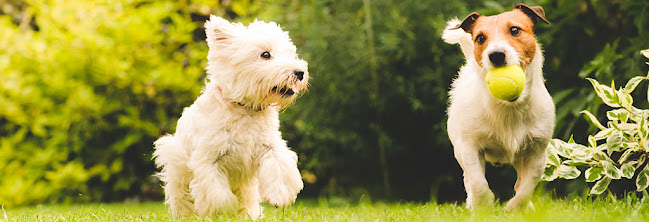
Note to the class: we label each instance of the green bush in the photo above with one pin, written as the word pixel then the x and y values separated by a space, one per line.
pixel 618 150
pixel 86 87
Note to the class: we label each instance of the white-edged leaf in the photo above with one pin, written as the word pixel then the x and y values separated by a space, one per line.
pixel 618 114
pixel 593 174
pixel 568 172
pixel 626 127
pixel 552 157
pixel 607 94
pixel 629 145
pixel 627 170
pixel 641 160
pixel 632 83
pixel 561 147
pixel 602 134
pixel 625 100
pixel 580 153
pixel 611 170
pixel 614 141
pixel 550 173
pixel 576 162
pixel 593 120
pixel 600 186
pixel 599 155
pixel 642 181
pixel 627 153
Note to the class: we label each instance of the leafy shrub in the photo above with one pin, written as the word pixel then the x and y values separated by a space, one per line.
pixel 619 150
pixel 85 90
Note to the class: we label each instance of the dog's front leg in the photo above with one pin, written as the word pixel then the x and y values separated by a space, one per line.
pixel 475 183
pixel 279 179
pixel 248 194
pixel 210 187
pixel 529 168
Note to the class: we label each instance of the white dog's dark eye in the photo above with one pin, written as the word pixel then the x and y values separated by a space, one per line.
pixel 265 55
pixel 480 39
pixel 515 31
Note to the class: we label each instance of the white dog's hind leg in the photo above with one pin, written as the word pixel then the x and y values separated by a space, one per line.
pixel 475 183
pixel 279 179
pixel 175 175
pixel 529 169
pixel 210 188
pixel 249 199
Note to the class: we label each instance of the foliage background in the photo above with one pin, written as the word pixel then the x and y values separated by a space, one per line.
pixel 87 86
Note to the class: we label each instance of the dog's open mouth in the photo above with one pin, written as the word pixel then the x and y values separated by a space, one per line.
pixel 283 91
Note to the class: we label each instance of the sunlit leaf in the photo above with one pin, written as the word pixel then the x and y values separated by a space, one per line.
pixel 628 170
pixel 627 153
pixel 642 181
pixel 561 147
pixel 611 170
pixel 593 120
pixel 600 186
pixel 599 155
pixel 580 152
pixel 614 141
pixel 552 157
pixel 625 100
pixel 632 83
pixel 550 173
pixel 602 134
pixel 568 172
pixel 594 173
pixel 618 114
pixel 576 162
pixel 605 93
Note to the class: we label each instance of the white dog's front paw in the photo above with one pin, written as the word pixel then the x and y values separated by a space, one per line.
pixel 280 190
pixel 284 192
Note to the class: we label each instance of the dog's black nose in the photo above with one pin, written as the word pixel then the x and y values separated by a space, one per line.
pixel 497 59
pixel 299 74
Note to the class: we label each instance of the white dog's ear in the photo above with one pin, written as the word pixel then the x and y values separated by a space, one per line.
pixel 218 29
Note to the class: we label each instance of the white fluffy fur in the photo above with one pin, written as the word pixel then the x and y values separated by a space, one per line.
pixel 227 154
pixel 482 127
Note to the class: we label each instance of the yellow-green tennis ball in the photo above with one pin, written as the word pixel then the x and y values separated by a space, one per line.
pixel 506 83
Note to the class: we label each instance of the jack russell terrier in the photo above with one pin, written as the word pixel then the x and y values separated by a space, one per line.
pixel 482 127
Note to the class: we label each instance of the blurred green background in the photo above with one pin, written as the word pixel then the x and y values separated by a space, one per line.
pixel 87 86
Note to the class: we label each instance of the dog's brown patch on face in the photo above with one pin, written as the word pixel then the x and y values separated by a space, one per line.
pixel 499 27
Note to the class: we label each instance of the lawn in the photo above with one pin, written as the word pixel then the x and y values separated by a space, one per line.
pixel 547 209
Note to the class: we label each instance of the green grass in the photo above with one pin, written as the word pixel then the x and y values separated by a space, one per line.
pixel 627 209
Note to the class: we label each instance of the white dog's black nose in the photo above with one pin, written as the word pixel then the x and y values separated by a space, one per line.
pixel 299 74
pixel 497 59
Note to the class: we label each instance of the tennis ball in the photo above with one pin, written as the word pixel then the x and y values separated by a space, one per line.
pixel 506 83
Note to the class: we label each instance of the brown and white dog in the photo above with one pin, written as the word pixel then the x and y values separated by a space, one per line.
pixel 482 127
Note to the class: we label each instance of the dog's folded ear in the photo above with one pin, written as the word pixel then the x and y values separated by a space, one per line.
pixel 218 29
pixel 535 12
pixel 469 21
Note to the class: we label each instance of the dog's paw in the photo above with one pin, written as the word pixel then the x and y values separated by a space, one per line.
pixel 253 213
pixel 213 200
pixel 283 191
pixel 180 207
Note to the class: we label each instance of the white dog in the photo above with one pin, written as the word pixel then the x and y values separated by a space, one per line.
pixel 227 154
pixel 482 127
